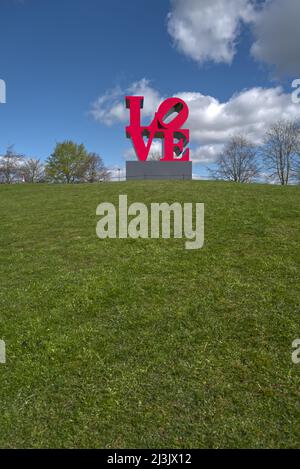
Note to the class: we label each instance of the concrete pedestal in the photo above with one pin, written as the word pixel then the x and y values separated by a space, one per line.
pixel 177 170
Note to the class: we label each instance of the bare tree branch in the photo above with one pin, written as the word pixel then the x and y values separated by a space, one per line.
pixel 280 149
pixel 10 166
pixel 238 161
pixel 33 171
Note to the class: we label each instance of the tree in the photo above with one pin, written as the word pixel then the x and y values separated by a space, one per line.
pixel 96 170
pixel 280 148
pixel 10 166
pixel 71 163
pixel 68 163
pixel 33 171
pixel 238 161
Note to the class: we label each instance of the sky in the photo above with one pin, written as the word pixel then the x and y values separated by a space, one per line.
pixel 68 65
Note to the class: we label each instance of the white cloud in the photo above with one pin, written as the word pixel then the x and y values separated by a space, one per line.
pixel 211 122
pixel 249 112
pixel 155 152
pixel 206 154
pixel 2 92
pixel 277 34
pixel 110 107
pixel 107 108
pixel 207 30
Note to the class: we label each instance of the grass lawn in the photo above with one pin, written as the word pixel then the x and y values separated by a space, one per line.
pixel 141 343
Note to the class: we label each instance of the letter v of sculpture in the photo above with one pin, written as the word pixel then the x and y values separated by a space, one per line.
pixel 175 138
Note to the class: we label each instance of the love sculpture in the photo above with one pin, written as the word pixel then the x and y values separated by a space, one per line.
pixel 167 125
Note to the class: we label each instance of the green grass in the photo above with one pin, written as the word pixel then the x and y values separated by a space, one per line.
pixel 123 343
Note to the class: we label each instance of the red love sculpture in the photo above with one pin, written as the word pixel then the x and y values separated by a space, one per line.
pixel 175 138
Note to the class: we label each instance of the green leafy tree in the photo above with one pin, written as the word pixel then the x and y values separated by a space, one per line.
pixel 68 163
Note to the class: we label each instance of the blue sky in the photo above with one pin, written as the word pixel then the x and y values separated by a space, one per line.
pixel 58 57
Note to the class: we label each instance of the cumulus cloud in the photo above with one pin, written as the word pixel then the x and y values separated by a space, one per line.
pixel 211 122
pixel 207 30
pixel 277 35
pixel 110 107
pixel 206 154
pixel 250 112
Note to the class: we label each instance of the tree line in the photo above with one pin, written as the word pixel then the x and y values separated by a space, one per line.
pixel 69 163
pixel 277 158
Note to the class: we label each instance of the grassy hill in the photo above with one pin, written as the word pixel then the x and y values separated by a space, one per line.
pixel 141 343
